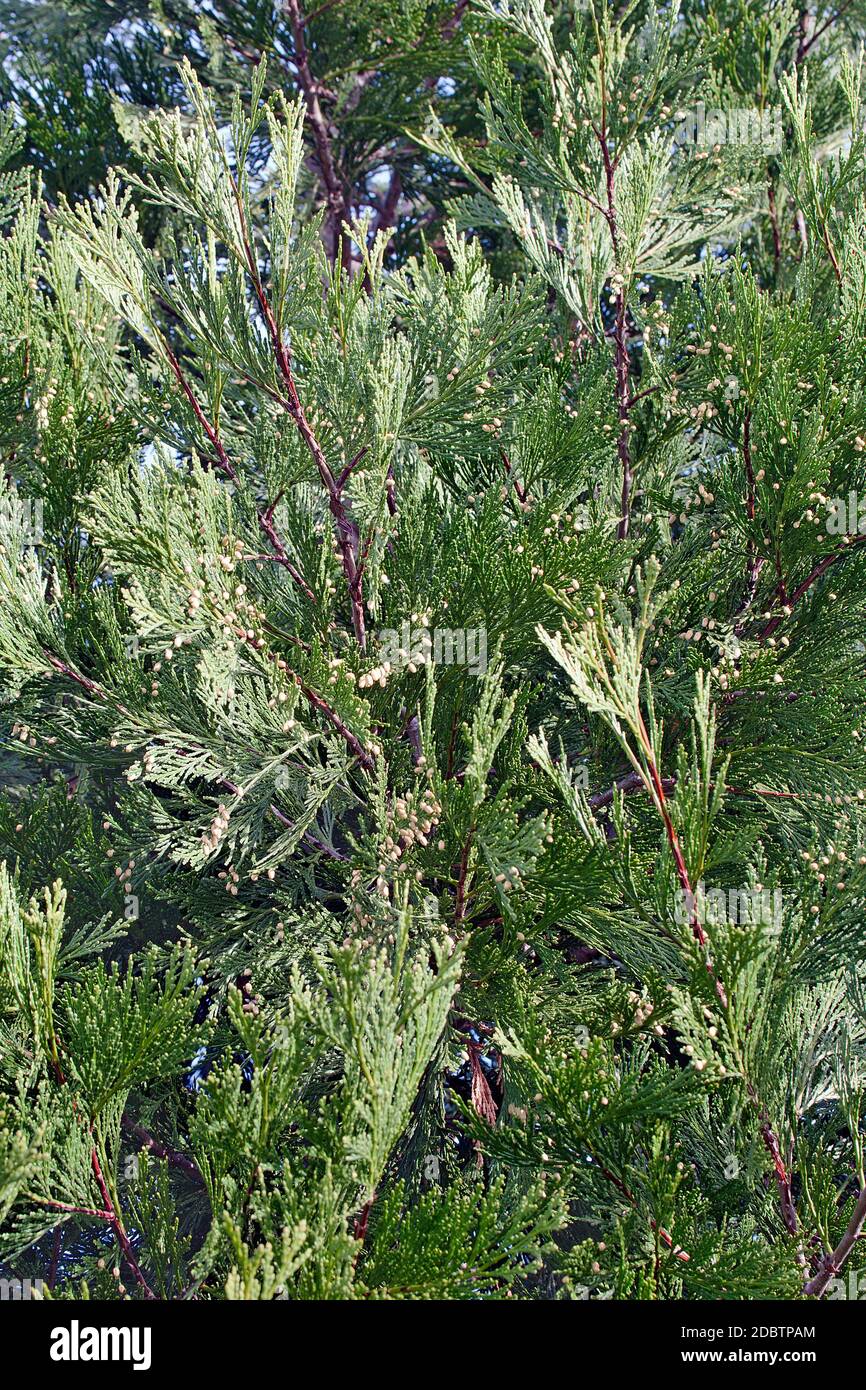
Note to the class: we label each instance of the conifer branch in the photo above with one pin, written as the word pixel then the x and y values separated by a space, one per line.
pixel 338 246
pixel 519 489
pixel 109 1212
pixel 118 1228
pixel 441 896
pixel 345 528
pixel 170 1156
pixel 462 874
pixel 774 220
pixel 631 782
pixel 656 787
pixel 632 1200
pixel 265 516
pixel 620 332
pixel 832 1263
pixel 807 41
pixel 317 702
pixel 754 563
pixel 812 578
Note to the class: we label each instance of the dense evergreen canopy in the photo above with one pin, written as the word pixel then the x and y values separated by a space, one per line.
pixel 431 660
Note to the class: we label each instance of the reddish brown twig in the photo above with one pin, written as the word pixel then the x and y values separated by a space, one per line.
pixel 452 23
pixel 807 41
pixel 227 468
pixel 364 757
pixel 362 1221
pixel 117 1227
pixel 109 1212
pixel 783 1178
pixel 97 1213
pixel 170 1156
pixel 632 1201
pixel 346 531
pixel 833 1261
pixel 632 782
pixel 812 578
pixel 344 476
pixel 657 787
pixel 519 489
pixel 337 245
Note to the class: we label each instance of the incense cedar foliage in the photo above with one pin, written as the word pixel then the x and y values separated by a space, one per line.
pixel 324 976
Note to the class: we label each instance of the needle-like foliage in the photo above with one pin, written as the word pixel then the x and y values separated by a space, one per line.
pixel 431 606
